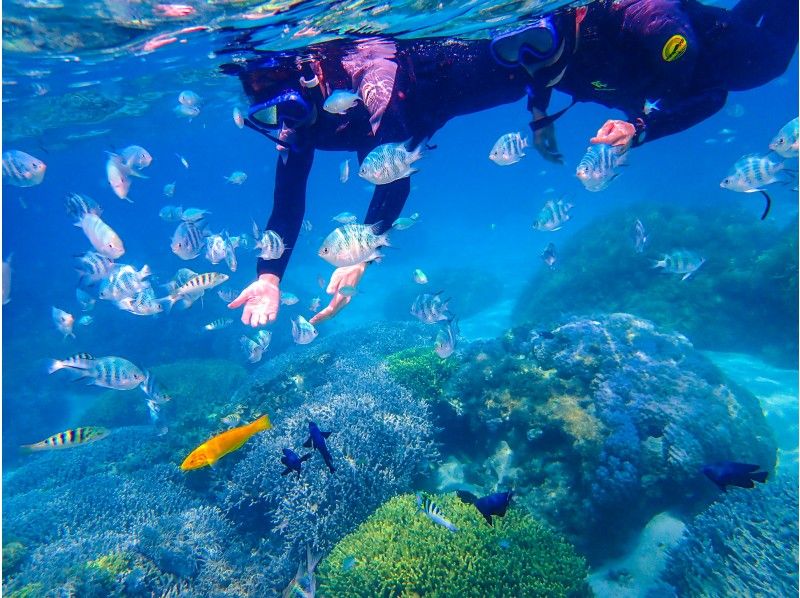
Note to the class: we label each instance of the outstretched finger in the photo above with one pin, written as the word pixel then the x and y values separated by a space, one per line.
pixel 322 315
pixel 240 300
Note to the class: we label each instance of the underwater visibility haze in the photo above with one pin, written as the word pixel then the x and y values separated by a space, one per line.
pixel 513 330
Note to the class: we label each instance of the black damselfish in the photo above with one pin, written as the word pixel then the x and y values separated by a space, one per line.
pixel 730 473
pixel 494 504
pixel 293 461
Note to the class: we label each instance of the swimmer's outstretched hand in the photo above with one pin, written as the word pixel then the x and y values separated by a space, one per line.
pixel 261 301
pixel 347 276
pixel 616 133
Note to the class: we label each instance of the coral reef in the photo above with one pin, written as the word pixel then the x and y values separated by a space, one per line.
pixel 400 552
pixel 420 370
pixel 381 441
pixel 743 545
pixel 742 299
pixel 611 417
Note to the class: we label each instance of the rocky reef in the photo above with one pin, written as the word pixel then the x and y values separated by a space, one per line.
pixel 598 424
pixel 743 298
pixel 398 551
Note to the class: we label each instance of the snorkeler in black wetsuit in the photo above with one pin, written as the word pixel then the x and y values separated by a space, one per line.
pixel 667 64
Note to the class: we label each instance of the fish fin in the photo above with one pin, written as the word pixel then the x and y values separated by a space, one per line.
pixel 308 443
pixel 759 476
pixel 746 484
pixel 687 275
pixel 466 497
pixel 488 519
pixel 27 448
pixel 767 204
pixel 325 434
pixel 284 461
pixel 136 174
pixel 332 468
pixel 286 471
pixel 128 199
pixel 305 457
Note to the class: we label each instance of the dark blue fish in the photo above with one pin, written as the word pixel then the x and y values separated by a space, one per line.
pixel 730 473
pixel 316 439
pixel 495 504
pixel 293 461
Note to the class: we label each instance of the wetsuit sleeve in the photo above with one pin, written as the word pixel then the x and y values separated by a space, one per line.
pixel 677 115
pixel 289 206
pixel 387 203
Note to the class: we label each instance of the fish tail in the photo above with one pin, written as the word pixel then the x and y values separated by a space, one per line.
pixel 658 263
pixel 144 272
pixel 28 448
pixel 55 365
pixel 262 423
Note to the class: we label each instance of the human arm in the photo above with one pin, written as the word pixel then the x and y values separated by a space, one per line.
pixel 261 299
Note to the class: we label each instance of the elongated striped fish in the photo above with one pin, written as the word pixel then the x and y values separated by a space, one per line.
pixel 69 439
pixel 198 284
pixel 79 360
pixel 434 513
pixel 108 372
pixel 353 244
pixel 599 164
pixel 218 324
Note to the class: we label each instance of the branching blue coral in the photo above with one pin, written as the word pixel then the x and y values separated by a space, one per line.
pixel 743 545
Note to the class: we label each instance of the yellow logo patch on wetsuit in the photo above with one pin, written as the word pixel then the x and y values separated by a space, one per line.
pixel 674 48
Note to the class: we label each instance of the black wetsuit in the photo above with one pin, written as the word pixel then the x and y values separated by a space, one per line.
pixel 436 79
pixel 683 54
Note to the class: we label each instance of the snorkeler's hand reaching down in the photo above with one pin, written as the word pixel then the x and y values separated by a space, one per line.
pixel 261 301
pixel 616 133
pixel 347 276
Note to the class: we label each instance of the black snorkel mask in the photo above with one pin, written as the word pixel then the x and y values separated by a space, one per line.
pixel 532 47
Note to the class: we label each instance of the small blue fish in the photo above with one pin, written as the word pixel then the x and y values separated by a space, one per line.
pixel 650 106
pixel 316 439
pixel 293 461
pixel 730 473
pixel 493 505
pixel 340 101
pixel 433 512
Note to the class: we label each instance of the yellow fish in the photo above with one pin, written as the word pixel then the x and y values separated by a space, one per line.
pixel 214 449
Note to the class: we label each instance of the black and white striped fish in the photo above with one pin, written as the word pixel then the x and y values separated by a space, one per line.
pixel 433 512
pixel 78 205
pixel 124 282
pixel 94 267
pixel 599 164
pixel 79 360
pixel 254 347
pixel 389 162
pixel 108 372
pixel 353 244
pixel 303 331
pixel 197 285
pixel 218 324
pixel 429 308
pixel 680 262
pixel 142 303
pixel 154 390
pixel 752 172
pixel 553 215
pixel 187 240
pixel 509 149
pixel 270 245
pixel 69 439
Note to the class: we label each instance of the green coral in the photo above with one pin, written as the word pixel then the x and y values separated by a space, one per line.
pixel 399 551
pixel 113 564
pixel 421 370
pixel 31 590
pixel 13 555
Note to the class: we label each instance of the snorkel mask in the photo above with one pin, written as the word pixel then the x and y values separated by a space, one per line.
pixel 286 108
pixel 534 46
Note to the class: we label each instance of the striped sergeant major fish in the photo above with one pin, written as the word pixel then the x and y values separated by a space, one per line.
pixel 196 285
pixel 353 244
pixel 430 309
pixel 751 173
pixel 188 239
pixel 680 262
pixel 433 512
pixel 78 205
pixel 553 215
pixel 154 390
pixel 94 267
pixel 508 149
pixel 599 164
pixel 69 439
pixel 786 143
pixel 21 169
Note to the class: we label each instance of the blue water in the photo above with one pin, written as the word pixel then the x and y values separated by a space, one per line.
pixel 475 227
